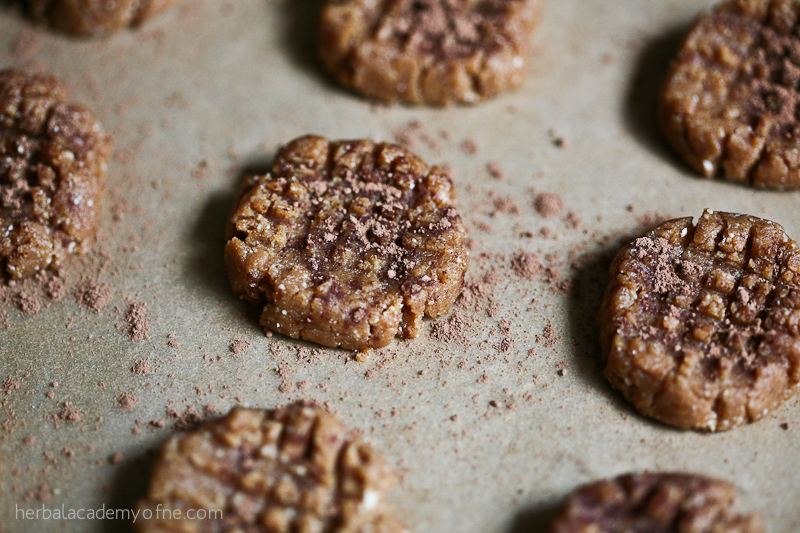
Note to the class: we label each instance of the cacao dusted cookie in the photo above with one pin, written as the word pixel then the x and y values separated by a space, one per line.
pixel 428 51
pixel 729 103
pixel 654 503
pixel 699 326
pixel 93 17
pixel 52 157
pixel 295 469
pixel 347 243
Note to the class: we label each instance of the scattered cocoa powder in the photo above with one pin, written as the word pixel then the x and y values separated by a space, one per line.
pixel 239 346
pixel 68 414
pixel 139 326
pixel 495 170
pixel 54 288
pixel 27 302
pixel 10 385
pixel 548 205
pixel 548 336
pixel 457 328
pixel 187 420
pixel 93 295
pixel 469 147
pixel 527 265
pixel 141 367
pixel 127 400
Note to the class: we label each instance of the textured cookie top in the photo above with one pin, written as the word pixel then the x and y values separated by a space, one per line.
pixel 729 103
pixel 295 469
pixel 427 51
pixel 654 503
pixel 347 243
pixel 52 156
pixel 93 17
pixel 700 322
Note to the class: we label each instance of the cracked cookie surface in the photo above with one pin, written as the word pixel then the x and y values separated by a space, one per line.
pixel 654 503
pixel 700 325
pixel 291 470
pixel 93 17
pixel 347 243
pixel 428 51
pixel 52 157
pixel 729 105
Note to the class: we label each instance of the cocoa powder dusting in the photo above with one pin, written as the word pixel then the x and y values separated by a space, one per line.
pixel 666 279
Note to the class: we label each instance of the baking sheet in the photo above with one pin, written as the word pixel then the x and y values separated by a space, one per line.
pixel 488 435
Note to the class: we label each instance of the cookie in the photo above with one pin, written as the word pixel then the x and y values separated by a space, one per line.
pixel 655 503
pixel 700 326
pixel 93 17
pixel 427 51
pixel 295 469
pixel 347 243
pixel 52 158
pixel 729 101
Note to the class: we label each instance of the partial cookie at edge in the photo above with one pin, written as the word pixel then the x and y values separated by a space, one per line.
pixel 291 469
pixel 699 325
pixel 656 503
pixel 52 158
pixel 729 104
pixel 434 52
pixel 93 17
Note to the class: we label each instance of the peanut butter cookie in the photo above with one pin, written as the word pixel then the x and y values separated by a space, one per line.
pixel 700 324
pixel 347 243
pixel 52 157
pixel 654 503
pixel 729 103
pixel 93 17
pixel 428 51
pixel 295 469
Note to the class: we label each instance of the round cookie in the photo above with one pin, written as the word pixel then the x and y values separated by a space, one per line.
pixel 280 471
pixel 347 243
pixel 52 157
pixel 427 51
pixel 700 325
pixel 654 503
pixel 93 17
pixel 729 102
